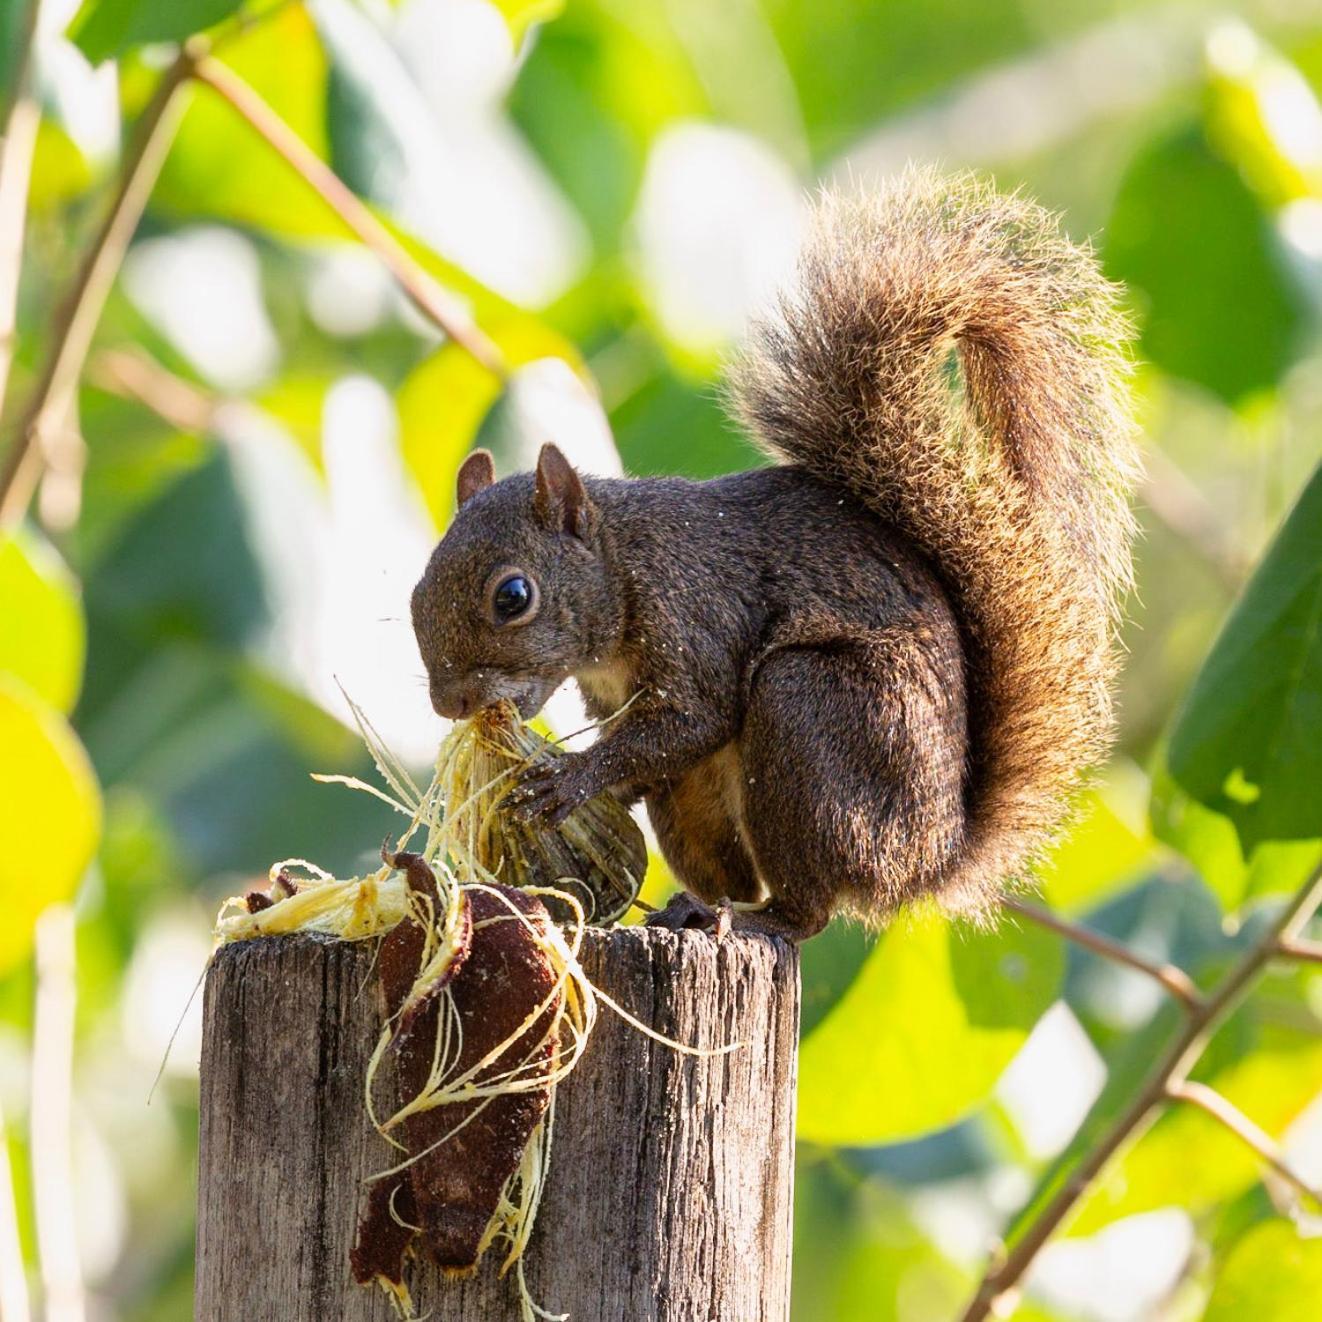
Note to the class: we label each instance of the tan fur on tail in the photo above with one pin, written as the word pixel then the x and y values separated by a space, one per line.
pixel 1011 473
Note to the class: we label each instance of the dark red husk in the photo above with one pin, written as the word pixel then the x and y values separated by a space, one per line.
pixel 456 1188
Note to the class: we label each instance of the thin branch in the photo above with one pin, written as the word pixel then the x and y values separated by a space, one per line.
pixel 52 1118
pixel 1178 503
pixel 1309 952
pixel 1246 1130
pixel 1171 977
pixel 430 298
pixel 79 312
pixel 133 374
pixel 21 124
pixel 1170 1072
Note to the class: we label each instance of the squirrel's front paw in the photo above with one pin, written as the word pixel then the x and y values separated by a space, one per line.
pixel 549 792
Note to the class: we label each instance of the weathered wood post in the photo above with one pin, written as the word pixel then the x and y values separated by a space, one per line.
pixel 669 1197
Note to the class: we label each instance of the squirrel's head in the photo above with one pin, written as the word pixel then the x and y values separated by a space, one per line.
pixel 516 597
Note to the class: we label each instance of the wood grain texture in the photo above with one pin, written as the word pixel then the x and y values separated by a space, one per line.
pixel 671 1176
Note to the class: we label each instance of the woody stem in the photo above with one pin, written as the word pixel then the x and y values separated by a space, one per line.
pixel 1170 1074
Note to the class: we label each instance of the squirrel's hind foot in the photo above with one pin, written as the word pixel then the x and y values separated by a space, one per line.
pixel 687 913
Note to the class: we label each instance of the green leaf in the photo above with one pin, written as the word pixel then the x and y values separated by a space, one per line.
pixel 106 28
pixel 445 399
pixel 1248 740
pixel 13 21
pixel 1161 242
pixel 925 1029
pixel 1271 1086
pixel 1209 841
pixel 42 634
pixel 219 166
pixel 50 814
pixel 1273 1274
pixel 377 121
pixel 1105 848
pixel 520 15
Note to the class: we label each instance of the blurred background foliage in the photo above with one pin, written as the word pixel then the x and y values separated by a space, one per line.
pixel 262 448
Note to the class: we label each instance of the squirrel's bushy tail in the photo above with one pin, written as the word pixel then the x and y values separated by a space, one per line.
pixel 961 366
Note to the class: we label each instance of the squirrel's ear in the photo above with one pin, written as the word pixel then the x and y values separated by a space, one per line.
pixel 560 500
pixel 476 473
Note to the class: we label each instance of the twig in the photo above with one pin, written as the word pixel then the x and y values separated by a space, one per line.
pixel 1246 1130
pixel 433 301
pixel 1170 1072
pixel 77 318
pixel 1310 952
pixel 1173 978
pixel 134 374
pixel 52 1118
pixel 21 123
pixel 1178 503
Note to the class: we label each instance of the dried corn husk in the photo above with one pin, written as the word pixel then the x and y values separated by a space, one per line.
pixel 597 854
pixel 588 868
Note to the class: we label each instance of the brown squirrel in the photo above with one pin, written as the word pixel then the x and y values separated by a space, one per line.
pixel 876 670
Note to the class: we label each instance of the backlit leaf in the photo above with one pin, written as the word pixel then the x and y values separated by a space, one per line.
pixel 920 1037
pixel 1248 741
pixel 1273 1274
pixel 520 15
pixel 42 636
pixel 50 814
pixel 445 399
pixel 1183 219
pixel 1273 1087
pixel 106 28
pixel 1209 841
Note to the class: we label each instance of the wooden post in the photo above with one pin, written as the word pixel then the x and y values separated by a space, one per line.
pixel 669 1196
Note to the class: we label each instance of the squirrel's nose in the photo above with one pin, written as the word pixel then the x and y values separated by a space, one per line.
pixel 453 704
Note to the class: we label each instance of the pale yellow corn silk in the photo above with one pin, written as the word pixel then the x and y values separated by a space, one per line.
pixel 457 815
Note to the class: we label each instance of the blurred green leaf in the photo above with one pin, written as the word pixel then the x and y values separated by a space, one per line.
pixel 105 28
pixel 665 406
pixel 1183 219
pixel 828 964
pixel 60 171
pixel 1103 850
pixel 1127 1066
pixel 1272 1087
pixel 50 814
pixel 1209 841
pixel 42 635
pixel 13 14
pixel 376 123
pixel 1273 1274
pixel 445 399
pixel 924 1030
pixel 562 103
pixel 892 1272
pixel 1248 740
pixel 181 567
pixel 219 166
pixel 132 458
pixel 1246 125
pixel 520 15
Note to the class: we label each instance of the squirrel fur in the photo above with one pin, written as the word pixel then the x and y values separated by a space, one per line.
pixel 878 669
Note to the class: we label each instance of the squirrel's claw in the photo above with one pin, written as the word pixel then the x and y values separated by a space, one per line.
pixel 545 794
pixel 686 912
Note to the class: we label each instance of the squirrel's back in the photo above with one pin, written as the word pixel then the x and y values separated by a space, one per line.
pixel 957 363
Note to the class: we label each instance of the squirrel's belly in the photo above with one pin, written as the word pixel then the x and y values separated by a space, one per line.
pixel 606 687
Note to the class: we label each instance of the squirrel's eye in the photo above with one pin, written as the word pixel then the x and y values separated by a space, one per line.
pixel 513 596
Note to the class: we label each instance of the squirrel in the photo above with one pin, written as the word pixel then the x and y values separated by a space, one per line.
pixel 877 669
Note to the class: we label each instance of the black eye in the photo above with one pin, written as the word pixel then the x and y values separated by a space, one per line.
pixel 513 596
